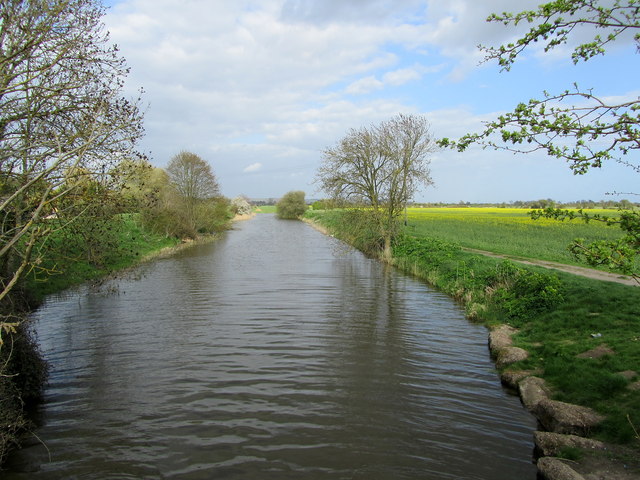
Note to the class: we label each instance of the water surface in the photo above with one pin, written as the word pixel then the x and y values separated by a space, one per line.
pixel 274 353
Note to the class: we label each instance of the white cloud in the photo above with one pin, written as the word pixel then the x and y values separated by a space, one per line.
pixel 348 12
pixel 393 78
pixel 254 167
pixel 364 85
pixel 459 26
pixel 279 80
pixel 401 76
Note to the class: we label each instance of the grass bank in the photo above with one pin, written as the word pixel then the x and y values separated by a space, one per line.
pixel 559 316
pixel 64 262
pixel 266 209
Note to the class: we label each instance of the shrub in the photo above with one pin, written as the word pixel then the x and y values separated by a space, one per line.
pixel 326 204
pixel 213 215
pixel 429 249
pixel 208 216
pixel 23 373
pixel 292 205
pixel 521 293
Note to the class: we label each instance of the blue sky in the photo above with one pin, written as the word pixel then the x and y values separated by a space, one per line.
pixel 259 88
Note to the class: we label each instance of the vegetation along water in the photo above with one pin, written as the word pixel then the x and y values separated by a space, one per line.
pixel 295 356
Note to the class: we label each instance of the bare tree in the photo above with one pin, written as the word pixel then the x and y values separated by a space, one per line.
pixel 62 118
pixel 382 167
pixel 192 176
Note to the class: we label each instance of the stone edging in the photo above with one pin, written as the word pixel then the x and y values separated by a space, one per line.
pixel 563 425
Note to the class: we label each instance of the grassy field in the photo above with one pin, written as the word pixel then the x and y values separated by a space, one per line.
pixel 266 209
pixel 509 231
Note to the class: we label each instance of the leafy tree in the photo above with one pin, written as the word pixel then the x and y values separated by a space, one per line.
pixel 195 184
pixel 575 125
pixel 62 118
pixel 380 167
pixel 292 205
pixel 139 183
pixel 63 124
pixel 86 221
pixel 567 131
pixel 620 255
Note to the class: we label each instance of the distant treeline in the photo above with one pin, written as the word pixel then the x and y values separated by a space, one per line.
pixel 537 204
pixel 543 203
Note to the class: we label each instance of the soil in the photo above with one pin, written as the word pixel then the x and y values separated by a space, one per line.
pixel 575 270
pixel 247 216
pixel 617 463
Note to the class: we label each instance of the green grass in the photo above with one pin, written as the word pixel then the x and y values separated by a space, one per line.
pixel 266 209
pixel 507 231
pixel 64 263
pixel 558 315
pixel 593 314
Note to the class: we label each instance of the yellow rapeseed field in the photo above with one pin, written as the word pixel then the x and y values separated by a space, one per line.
pixel 508 231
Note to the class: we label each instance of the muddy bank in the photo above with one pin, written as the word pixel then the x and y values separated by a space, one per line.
pixel 23 374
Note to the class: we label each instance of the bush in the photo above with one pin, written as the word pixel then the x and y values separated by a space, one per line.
pixel 166 221
pixel 323 205
pixel 241 206
pixel 23 373
pixel 208 216
pixel 428 249
pixel 292 205
pixel 213 215
pixel 521 293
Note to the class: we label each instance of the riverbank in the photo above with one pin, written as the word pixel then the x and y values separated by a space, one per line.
pixel 578 335
pixel 66 263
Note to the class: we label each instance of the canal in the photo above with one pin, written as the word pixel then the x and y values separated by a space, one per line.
pixel 273 353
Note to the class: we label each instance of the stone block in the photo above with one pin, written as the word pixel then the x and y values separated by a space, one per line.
pixel 560 417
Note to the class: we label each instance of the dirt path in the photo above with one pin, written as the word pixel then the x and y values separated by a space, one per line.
pixel 581 271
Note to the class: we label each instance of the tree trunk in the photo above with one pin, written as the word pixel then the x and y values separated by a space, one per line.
pixel 387 253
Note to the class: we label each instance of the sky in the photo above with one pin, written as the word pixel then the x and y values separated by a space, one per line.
pixel 259 88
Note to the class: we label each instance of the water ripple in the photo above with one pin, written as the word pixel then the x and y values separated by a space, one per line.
pixel 271 355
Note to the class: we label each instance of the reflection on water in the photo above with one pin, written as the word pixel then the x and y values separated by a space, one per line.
pixel 271 354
